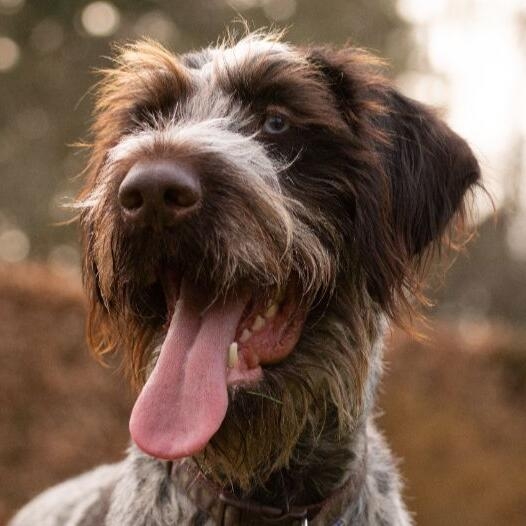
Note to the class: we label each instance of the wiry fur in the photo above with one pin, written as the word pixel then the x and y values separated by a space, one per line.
pixel 348 206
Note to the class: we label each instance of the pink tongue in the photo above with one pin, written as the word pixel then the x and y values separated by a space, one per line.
pixel 185 399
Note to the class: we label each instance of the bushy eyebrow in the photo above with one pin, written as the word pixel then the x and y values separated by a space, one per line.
pixel 278 80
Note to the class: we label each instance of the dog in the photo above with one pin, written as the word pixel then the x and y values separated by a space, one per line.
pixel 254 216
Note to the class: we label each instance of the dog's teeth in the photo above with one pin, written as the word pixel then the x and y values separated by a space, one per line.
pixel 245 335
pixel 258 324
pixel 271 311
pixel 232 355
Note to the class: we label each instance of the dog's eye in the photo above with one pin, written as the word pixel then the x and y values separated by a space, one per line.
pixel 276 123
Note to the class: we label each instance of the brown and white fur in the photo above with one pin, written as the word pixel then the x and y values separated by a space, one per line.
pixel 319 188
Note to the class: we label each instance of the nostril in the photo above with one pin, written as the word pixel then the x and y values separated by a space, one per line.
pixel 131 199
pixel 180 197
pixel 159 192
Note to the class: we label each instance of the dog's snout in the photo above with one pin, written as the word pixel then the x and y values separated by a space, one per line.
pixel 159 190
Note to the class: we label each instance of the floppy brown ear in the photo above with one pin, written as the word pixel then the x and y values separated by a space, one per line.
pixel 430 169
pixel 410 171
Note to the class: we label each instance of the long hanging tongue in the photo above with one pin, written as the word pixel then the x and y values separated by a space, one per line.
pixel 185 399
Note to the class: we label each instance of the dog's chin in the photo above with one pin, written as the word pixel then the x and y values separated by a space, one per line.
pixel 259 433
pixel 213 345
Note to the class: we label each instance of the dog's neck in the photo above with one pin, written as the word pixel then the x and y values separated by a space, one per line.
pixel 314 475
pixel 302 492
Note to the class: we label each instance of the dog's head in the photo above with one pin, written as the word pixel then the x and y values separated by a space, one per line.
pixel 251 212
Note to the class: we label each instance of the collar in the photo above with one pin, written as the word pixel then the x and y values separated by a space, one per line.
pixel 226 509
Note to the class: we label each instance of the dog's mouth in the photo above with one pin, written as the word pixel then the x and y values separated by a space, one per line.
pixel 211 345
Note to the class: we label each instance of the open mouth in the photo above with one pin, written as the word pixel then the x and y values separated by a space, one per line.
pixel 211 345
pixel 266 334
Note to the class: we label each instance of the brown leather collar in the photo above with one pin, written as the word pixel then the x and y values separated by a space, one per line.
pixel 228 510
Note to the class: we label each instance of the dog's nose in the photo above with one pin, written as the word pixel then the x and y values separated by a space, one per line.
pixel 164 191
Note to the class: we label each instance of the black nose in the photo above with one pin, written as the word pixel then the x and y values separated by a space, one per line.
pixel 159 191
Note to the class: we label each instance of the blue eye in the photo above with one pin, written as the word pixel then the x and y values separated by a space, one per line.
pixel 276 123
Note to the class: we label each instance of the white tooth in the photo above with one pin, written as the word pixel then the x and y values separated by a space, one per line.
pixel 245 335
pixel 258 324
pixel 271 311
pixel 232 355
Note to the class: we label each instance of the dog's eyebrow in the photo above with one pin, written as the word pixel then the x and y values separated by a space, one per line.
pixel 250 57
pixel 283 78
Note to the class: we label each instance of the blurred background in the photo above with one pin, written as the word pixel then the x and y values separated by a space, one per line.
pixel 453 407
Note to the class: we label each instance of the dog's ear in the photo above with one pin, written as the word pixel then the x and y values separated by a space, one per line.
pixel 429 167
pixel 417 175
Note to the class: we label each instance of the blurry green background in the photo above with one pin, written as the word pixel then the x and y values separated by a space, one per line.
pixel 462 440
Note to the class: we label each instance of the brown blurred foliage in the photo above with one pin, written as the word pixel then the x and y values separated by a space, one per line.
pixel 453 411
pixel 60 412
pixel 453 406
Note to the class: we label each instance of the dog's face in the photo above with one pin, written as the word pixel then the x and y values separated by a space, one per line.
pixel 251 211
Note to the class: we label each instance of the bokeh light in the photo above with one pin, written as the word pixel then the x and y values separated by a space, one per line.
pixel 65 257
pixel 9 54
pixel 47 36
pixel 14 245
pixel 100 19
pixel 155 24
